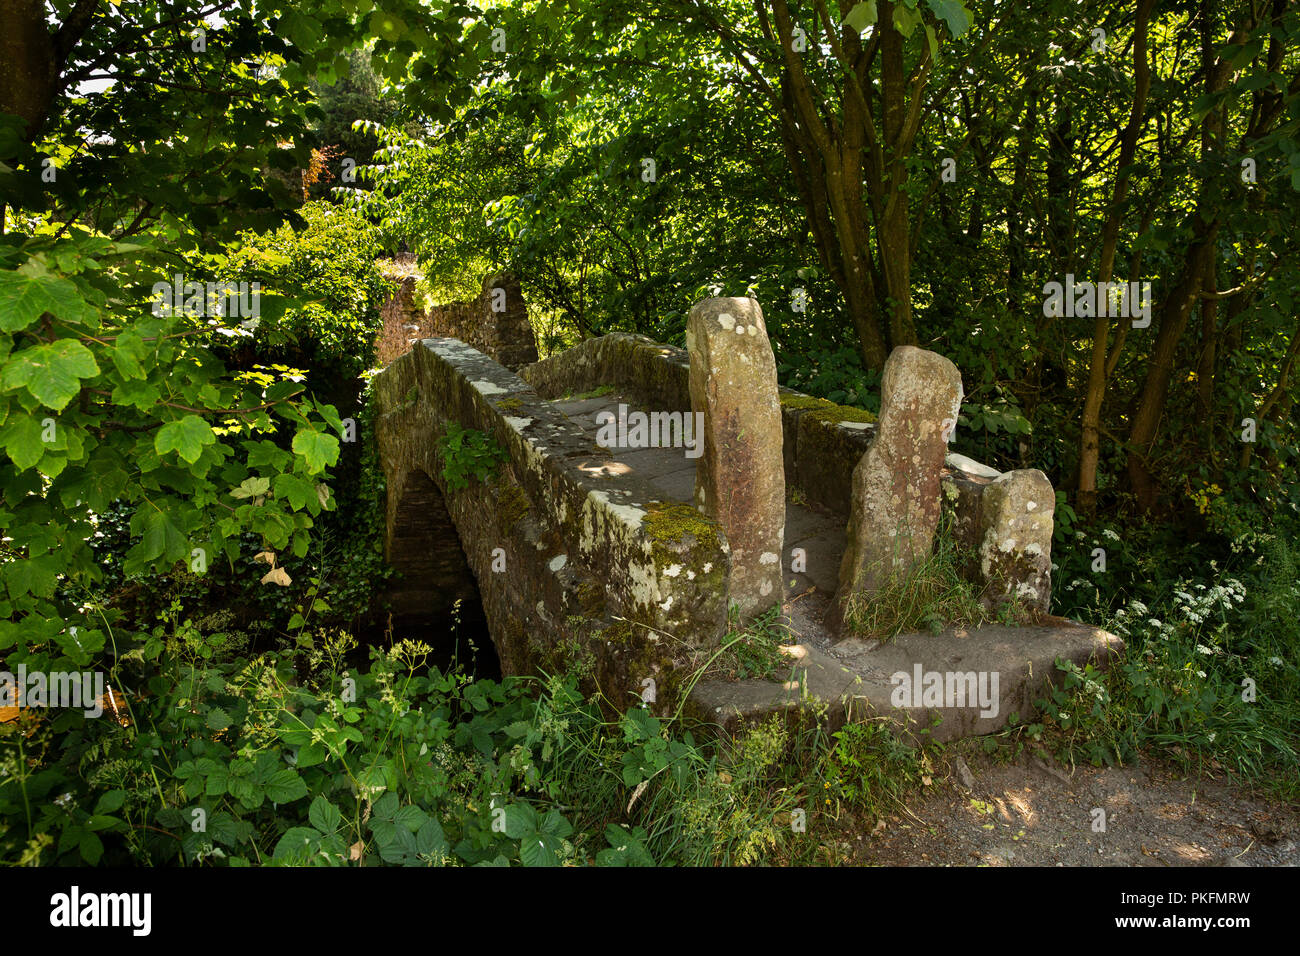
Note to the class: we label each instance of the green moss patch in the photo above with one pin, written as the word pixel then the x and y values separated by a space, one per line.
pixel 594 393
pixel 669 525
pixel 826 411
pixel 513 504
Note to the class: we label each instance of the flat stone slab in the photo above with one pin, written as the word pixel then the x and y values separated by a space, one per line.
pixel 974 680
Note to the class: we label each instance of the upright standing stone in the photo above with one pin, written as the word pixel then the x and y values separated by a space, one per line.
pixel 740 479
pixel 895 505
pixel 1015 548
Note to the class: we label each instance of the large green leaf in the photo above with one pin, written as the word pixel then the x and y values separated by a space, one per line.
pixel 324 816
pixel 22 437
pixel 905 19
pixel 298 491
pixel 954 14
pixel 861 16
pixel 285 786
pixel 25 298
pixel 318 448
pixel 51 372
pixel 129 352
pixel 161 538
pixel 185 436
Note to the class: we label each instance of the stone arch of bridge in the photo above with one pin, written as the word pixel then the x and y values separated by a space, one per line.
pixel 436 596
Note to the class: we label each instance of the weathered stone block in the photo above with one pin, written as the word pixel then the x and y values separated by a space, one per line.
pixel 495 322
pixel 1015 549
pixel 740 478
pixel 895 507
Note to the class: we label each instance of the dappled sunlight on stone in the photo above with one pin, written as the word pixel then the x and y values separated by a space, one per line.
pixel 606 469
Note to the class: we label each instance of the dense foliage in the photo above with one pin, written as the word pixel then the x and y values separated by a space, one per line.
pixel 189 497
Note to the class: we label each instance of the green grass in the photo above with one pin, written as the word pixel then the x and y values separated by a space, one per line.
pixel 594 393
pixel 931 595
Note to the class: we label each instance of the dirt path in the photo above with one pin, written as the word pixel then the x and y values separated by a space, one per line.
pixel 1032 814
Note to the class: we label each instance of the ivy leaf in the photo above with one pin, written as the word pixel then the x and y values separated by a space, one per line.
pixel 186 437
pixel 52 373
pixel 318 448
pixel 25 298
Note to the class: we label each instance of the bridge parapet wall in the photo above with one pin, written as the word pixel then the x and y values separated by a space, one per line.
pixel 571 557
pixel 822 445
pixel 822 441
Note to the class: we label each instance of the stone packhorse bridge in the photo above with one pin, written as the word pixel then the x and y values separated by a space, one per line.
pixel 648 491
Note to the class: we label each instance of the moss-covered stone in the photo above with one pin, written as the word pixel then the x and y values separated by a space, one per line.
pixel 668 524
pixel 513 504
pixel 594 393
pixel 619 632
pixel 825 411
pixel 510 404
pixel 591 596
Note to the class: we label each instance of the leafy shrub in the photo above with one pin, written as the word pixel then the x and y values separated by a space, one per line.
pixel 293 758
pixel 468 452
pixel 328 267
pixel 868 767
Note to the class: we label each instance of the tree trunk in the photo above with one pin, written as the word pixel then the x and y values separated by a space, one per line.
pixel 1090 431
pixel 1176 308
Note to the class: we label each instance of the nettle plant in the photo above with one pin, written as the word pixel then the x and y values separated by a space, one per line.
pixel 105 405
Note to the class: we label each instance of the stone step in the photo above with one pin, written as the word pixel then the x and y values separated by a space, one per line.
pixel 855 679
